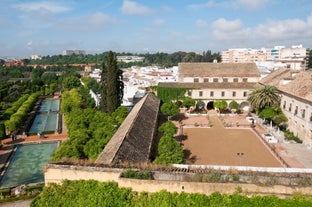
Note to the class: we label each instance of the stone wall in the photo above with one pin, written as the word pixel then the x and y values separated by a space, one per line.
pixel 57 173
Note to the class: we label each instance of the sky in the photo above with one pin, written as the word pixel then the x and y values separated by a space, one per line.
pixel 31 27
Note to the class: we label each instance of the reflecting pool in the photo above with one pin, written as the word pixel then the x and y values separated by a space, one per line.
pixel 49 105
pixel 27 164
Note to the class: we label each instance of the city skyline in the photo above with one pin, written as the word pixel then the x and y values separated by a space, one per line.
pixel 140 26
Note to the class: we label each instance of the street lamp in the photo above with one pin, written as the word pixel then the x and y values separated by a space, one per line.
pixel 240 155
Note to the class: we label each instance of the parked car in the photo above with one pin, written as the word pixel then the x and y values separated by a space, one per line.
pixel 269 138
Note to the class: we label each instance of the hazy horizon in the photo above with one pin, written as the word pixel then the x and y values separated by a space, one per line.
pixel 140 26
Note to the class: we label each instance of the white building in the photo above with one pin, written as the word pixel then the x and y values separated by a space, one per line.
pixel 216 81
pixel 295 57
pixel 295 88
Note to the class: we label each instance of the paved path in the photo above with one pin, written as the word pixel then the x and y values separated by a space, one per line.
pixel 21 203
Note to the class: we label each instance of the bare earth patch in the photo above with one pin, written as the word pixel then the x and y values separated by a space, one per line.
pixel 217 145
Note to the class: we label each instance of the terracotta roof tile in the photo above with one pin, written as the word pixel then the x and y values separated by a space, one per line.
pixel 218 69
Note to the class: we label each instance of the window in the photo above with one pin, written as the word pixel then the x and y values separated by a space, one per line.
pixel 206 80
pixel 245 80
pixel 303 113
pixel 196 80
pixel 284 105
pixel 200 93
pixel 245 93
pixel 235 80
pixel 311 117
pixel 233 93
pixel 211 93
pixel 296 110
pixel 289 108
pixel 225 80
pixel 215 80
pixel 222 93
pixel 189 93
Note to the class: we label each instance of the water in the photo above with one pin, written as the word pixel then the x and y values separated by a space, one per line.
pixel 49 105
pixel 46 119
pixel 27 164
pixel 44 122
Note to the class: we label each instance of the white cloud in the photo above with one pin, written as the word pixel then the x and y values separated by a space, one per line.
pixel 94 21
pixel 270 32
pixel 166 9
pixel 43 5
pixel 232 4
pixel 251 4
pixel 283 29
pixel 224 25
pixel 131 7
pixel 229 30
pixel 201 23
pixel 100 18
pixel 159 22
pixel 208 4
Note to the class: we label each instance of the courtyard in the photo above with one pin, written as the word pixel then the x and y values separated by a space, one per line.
pixel 208 140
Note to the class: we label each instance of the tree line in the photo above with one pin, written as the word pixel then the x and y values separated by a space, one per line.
pixel 94 193
pixel 160 58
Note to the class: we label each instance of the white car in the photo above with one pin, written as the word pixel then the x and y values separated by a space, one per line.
pixel 269 138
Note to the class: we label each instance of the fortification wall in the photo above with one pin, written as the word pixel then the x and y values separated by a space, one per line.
pixel 57 173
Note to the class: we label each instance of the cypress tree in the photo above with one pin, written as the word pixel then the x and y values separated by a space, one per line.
pixel 111 85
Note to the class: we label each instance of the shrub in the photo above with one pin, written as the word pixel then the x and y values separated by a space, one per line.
pixel 143 175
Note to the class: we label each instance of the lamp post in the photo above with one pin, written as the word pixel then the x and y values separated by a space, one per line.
pixel 240 155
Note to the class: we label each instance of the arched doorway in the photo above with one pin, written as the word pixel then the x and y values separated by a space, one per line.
pixel 200 106
pixel 210 105
pixel 244 106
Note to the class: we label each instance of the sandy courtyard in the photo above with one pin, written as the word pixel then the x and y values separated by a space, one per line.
pixel 220 146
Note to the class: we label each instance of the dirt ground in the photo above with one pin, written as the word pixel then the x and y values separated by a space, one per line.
pixel 208 142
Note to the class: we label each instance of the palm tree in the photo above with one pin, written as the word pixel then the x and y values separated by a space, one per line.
pixel 263 96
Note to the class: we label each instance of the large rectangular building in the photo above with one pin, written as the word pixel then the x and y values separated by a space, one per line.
pixel 217 81
pixel 295 57
pixel 295 88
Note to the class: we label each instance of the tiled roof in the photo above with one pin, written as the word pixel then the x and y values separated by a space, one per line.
pixel 296 83
pixel 218 69
pixel 133 140
pixel 228 85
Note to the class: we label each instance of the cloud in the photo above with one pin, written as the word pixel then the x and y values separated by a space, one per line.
pixel 208 4
pixel 133 8
pixel 270 32
pixel 224 25
pixel 232 4
pixel 229 30
pixel 166 9
pixel 94 21
pixel 43 5
pixel 159 22
pixel 251 5
pixel 201 23
pixel 284 29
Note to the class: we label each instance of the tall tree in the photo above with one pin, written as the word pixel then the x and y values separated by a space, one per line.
pixel 263 96
pixel 111 85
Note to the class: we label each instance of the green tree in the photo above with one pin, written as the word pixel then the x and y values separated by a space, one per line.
pixel 70 100
pixel 267 113
pixel 2 131
pixel 169 109
pixel 220 104
pixel 234 105
pixel 310 60
pixel 111 85
pixel 70 82
pixel 263 96
pixel 188 102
